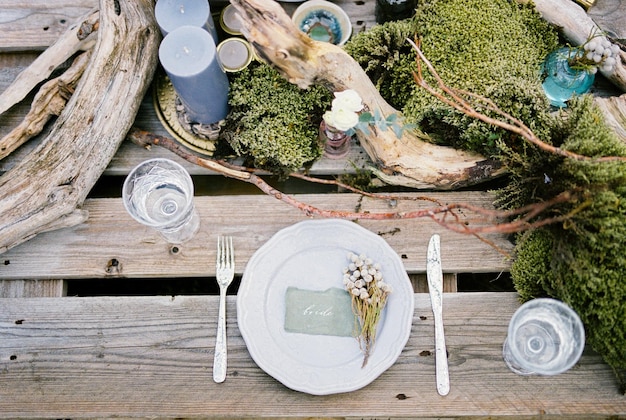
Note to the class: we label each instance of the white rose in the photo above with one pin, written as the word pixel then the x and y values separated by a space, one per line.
pixel 341 119
pixel 348 100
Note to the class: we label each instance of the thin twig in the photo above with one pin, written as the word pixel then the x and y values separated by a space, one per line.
pixel 492 219
pixel 455 99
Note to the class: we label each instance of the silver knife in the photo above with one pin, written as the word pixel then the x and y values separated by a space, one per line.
pixel 435 287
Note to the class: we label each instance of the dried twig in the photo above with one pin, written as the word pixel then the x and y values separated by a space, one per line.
pixel 465 102
pixel 485 221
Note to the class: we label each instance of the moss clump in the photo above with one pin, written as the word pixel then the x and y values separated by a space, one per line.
pixel 582 260
pixel 491 48
pixel 272 122
pixel 531 269
pixel 387 59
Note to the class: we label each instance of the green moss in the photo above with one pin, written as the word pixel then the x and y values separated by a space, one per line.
pixel 387 58
pixel 581 260
pixel 531 269
pixel 495 48
pixel 491 48
pixel 273 123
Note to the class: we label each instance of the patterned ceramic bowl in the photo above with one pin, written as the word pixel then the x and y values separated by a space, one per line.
pixel 323 21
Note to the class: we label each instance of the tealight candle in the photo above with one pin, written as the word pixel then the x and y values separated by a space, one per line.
pixel 172 14
pixel 229 20
pixel 189 57
pixel 234 54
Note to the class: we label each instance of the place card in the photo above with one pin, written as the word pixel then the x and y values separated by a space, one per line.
pixel 327 312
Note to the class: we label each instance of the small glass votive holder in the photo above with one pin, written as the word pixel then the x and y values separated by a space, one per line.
pixel 159 193
pixel 545 337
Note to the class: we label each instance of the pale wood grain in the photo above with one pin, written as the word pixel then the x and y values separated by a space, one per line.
pixel 68 44
pixel 36 24
pixel 32 288
pixel 42 191
pixel 152 356
pixel 111 244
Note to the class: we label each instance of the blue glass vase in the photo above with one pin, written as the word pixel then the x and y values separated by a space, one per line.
pixel 560 81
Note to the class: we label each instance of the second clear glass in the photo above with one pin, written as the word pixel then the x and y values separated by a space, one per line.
pixel 545 337
pixel 159 193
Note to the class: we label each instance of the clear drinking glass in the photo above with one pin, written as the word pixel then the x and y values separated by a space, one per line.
pixel 159 194
pixel 545 337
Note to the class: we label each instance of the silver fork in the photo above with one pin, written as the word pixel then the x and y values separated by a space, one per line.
pixel 224 272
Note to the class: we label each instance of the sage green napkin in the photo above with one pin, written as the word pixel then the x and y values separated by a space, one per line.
pixel 327 312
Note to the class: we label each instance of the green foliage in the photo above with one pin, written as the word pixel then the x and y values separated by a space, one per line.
pixel 391 122
pixel 582 260
pixel 360 179
pixel 531 269
pixel 492 48
pixel 272 122
pixel 387 59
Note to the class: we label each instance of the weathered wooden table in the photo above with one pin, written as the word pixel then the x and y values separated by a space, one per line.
pixel 151 356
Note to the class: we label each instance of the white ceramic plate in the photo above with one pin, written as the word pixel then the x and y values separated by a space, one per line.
pixel 311 255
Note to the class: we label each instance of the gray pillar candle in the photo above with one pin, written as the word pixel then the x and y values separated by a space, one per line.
pixel 188 56
pixel 172 14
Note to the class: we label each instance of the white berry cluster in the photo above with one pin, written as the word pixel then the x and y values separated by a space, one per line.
pixel 598 52
pixel 364 281
pixel 602 52
pixel 363 278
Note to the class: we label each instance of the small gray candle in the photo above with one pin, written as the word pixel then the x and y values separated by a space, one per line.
pixel 172 14
pixel 188 55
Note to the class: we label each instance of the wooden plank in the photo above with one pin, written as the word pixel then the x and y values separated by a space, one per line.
pixel 32 288
pixel 420 283
pixel 152 356
pixel 36 24
pixel 111 244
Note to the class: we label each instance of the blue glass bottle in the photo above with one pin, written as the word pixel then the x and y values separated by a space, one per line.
pixel 560 81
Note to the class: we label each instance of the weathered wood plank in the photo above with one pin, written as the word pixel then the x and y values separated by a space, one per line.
pixel 420 283
pixel 152 356
pixel 111 244
pixel 36 24
pixel 32 288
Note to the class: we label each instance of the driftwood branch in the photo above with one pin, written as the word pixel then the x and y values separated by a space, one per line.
pixel 80 36
pixel 614 110
pixel 46 190
pixel 49 101
pixel 410 160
